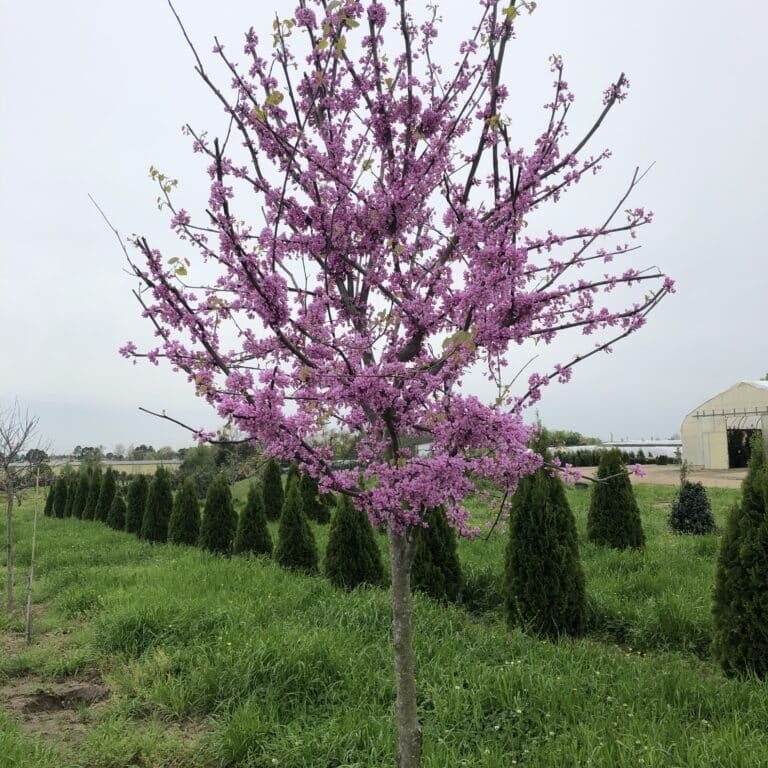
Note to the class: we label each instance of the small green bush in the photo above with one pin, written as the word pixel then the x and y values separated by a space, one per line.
pixel 691 511
pixel 157 512
pixel 138 489
pixel 352 556
pixel 272 490
pixel 296 547
pixel 614 517
pixel 184 523
pixel 116 514
pixel 252 532
pixel 93 495
pixel 544 583
pixel 106 495
pixel 219 518
pixel 436 568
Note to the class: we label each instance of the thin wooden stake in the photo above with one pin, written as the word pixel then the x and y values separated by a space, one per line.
pixel 30 576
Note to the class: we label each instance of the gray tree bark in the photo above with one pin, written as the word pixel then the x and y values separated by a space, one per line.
pixel 402 549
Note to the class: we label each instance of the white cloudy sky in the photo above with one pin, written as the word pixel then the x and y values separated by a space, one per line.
pixel 94 92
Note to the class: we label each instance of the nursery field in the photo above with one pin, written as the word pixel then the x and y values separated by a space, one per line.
pixel 167 656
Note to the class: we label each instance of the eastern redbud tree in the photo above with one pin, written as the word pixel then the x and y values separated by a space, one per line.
pixel 370 238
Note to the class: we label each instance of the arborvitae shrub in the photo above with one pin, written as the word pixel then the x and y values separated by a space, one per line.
pixel 106 496
pixel 291 476
pixel 252 532
pixel 614 517
pixel 436 568
pixel 48 509
pixel 81 496
pixel 296 547
pixel 60 497
pixel 543 580
pixel 219 518
pixel 352 556
pixel 740 608
pixel 315 507
pixel 93 495
pixel 154 524
pixel 116 514
pixel 691 510
pixel 272 490
pixel 138 489
pixel 71 491
pixel 184 523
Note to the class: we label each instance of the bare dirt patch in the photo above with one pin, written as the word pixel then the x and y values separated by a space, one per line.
pixel 669 474
pixel 53 709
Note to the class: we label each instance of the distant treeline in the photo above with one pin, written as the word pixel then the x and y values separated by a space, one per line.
pixel 590 457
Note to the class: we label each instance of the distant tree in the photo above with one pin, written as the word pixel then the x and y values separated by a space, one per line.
pixel 106 496
pixel 199 466
pixel 296 547
pixel 184 523
pixel 691 511
pixel 142 453
pixel 36 456
pixel 81 494
pixel 543 580
pixel 154 525
pixel 352 556
pixel 436 568
pixel 272 490
pixel 252 532
pixel 91 456
pixel 138 489
pixel 740 609
pixel 117 513
pixel 614 517
pixel 219 518
pixel 93 494
pixel 60 497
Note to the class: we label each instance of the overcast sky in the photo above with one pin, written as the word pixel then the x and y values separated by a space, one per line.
pixel 95 92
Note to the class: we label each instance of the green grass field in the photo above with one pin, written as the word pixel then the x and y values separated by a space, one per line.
pixel 217 662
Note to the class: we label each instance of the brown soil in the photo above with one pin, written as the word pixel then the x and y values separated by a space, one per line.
pixel 670 475
pixel 53 709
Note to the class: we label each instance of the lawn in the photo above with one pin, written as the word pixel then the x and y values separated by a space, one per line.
pixel 221 662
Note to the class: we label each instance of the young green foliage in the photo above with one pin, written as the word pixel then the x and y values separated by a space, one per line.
pixel 272 490
pixel 543 580
pixel 296 547
pixel 106 496
pixel 436 568
pixel 691 511
pixel 219 518
pixel 352 556
pixel 117 512
pixel 184 523
pixel 138 489
pixel 252 532
pixel 740 608
pixel 614 517
pixel 93 495
pixel 154 525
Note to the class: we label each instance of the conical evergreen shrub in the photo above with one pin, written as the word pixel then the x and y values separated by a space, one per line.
pixel 106 496
pixel 60 497
pixel 219 518
pixel 272 490
pixel 314 505
pixel 296 547
pixel 117 512
pixel 252 533
pixel 740 608
pixel 691 511
pixel 49 497
pixel 291 476
pixel 614 517
pixel 352 556
pixel 93 495
pixel 136 503
pixel 81 496
pixel 436 568
pixel 154 524
pixel 71 491
pixel 184 523
pixel 543 580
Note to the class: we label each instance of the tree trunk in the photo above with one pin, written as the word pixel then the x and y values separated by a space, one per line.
pixel 402 549
pixel 9 560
